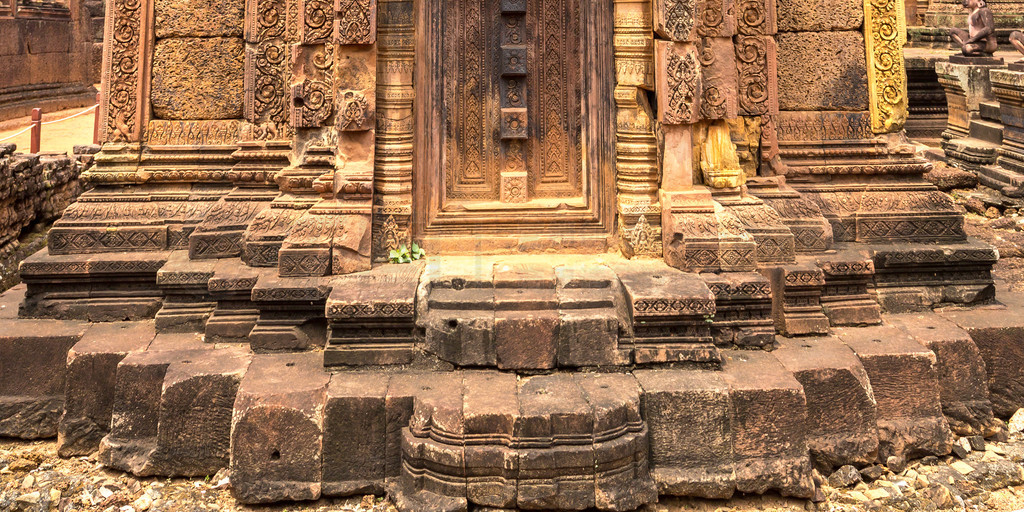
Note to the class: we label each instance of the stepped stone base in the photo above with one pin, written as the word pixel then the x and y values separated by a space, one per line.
pixel 510 384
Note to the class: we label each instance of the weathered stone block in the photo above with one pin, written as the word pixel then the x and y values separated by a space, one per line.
pixel 187 86
pixel 623 480
pixel 719 78
pixel 696 460
pixel 677 78
pixel 171 414
pixel 822 71
pixel 203 18
pixel 998 332
pixel 819 15
pixel 277 429
pixel 33 356
pixel 91 371
pixel 491 411
pixel 587 337
pixel 769 430
pixel 906 388
pixel 526 339
pixel 963 386
pixel 675 20
pixel 831 374
pixel 354 434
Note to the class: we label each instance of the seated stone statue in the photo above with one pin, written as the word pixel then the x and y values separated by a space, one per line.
pixel 979 40
pixel 1017 40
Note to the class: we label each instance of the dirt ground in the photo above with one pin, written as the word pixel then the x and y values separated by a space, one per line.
pixel 59 137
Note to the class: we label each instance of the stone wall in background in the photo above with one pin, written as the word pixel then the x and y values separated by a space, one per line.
pixel 95 10
pixel 47 54
pixel 34 190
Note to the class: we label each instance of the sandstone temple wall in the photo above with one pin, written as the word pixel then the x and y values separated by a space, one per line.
pixel 47 55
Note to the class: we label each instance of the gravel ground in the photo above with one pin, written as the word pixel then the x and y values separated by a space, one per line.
pixel 33 478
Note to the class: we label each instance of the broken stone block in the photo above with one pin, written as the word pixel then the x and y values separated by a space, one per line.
pixel 354 434
pixel 822 71
pixel 997 331
pixel 91 371
pixel 963 386
pixel 491 411
pixel 33 357
pixel 743 309
pixel 796 299
pixel 769 430
pixel 831 374
pixel 403 389
pixel 171 414
pixel 588 331
pixel 697 460
pixel 185 87
pixel 277 429
pixel 906 389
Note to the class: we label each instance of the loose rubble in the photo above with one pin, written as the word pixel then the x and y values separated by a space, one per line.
pixel 990 477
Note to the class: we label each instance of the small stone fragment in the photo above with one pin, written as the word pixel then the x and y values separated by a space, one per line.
pixel 977 443
pixel 54 496
pixel 29 498
pixel 877 494
pixel 993 213
pixel 844 477
pixel 857 496
pixel 896 464
pixel 961 448
pixel 962 467
pixel 938 495
pixel 143 502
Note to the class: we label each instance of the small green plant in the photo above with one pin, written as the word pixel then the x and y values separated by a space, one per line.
pixel 406 254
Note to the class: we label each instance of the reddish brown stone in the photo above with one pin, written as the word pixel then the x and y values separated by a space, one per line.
pixel 997 331
pixel 277 429
pixel 91 370
pixel 822 71
pixel 906 388
pixel 33 355
pixel 697 460
pixel 831 374
pixel 963 386
pixel 354 434
pixel 171 414
pixel 769 430
pixel 525 339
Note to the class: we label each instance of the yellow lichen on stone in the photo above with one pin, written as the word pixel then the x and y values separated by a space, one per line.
pixel 884 37
pixel 719 162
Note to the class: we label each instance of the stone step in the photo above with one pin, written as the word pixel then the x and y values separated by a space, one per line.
pixel 997 331
pixel 997 177
pixel 989 110
pixel 988 131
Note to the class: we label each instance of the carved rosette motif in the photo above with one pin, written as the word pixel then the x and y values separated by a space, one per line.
pixel 755 60
pixel 884 36
pixel 316 21
pixel 312 103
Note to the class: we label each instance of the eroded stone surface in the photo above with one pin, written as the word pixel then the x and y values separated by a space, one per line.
pixel 191 18
pixel 822 71
pixel 197 78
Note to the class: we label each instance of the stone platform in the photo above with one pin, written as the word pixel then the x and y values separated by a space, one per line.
pixel 509 383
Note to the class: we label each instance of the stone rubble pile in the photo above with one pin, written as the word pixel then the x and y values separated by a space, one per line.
pixel 34 190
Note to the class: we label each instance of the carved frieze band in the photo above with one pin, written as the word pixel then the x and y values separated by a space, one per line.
pixel 884 36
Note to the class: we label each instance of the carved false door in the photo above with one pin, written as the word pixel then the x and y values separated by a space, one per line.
pixel 516 106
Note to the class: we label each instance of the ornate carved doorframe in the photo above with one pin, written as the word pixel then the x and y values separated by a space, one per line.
pixel 492 215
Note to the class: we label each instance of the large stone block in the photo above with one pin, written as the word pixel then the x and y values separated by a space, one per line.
pixel 906 388
pixel 171 414
pixel 354 434
pixel 822 71
pixel 33 355
pixel 963 382
pixel 769 434
pixel 277 429
pixel 689 414
pixel 202 18
pixel 91 371
pixel 998 332
pixel 819 15
pixel 490 411
pixel 831 374
pixel 198 78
